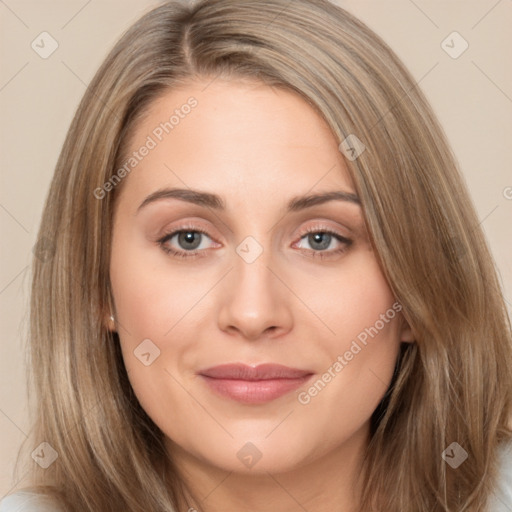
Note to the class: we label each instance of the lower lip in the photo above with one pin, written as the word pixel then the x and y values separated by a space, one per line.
pixel 254 391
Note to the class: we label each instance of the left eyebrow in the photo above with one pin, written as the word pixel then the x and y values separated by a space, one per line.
pixel 302 202
pixel 216 202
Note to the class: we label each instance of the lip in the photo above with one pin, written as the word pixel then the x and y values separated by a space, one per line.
pixel 253 385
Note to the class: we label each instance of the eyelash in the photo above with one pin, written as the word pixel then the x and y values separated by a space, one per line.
pixel 200 252
pixel 181 254
pixel 346 242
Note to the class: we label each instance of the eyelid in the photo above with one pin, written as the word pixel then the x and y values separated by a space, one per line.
pixel 323 226
pixel 173 231
pixel 311 228
pixel 344 242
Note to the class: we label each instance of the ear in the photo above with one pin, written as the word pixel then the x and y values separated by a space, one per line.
pixel 108 314
pixel 406 332
pixel 109 321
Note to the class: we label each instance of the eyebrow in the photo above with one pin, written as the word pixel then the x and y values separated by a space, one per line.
pixel 215 202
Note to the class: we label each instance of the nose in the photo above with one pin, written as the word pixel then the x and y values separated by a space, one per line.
pixel 254 302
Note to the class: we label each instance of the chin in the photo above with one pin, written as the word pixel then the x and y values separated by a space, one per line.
pixel 259 456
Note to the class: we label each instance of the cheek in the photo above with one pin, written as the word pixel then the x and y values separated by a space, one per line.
pixel 360 346
pixel 147 309
pixel 349 300
pixel 154 305
pixel 151 297
pixel 343 397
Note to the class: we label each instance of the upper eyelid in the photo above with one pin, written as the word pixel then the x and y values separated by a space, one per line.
pixel 171 233
pixel 345 242
pixel 197 227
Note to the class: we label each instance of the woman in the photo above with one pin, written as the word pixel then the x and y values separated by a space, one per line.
pixel 268 287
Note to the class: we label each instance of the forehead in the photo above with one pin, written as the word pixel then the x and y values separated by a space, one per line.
pixel 234 138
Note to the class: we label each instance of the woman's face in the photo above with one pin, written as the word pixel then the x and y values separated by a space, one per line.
pixel 266 270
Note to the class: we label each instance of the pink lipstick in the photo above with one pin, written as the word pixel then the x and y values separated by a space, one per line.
pixel 254 385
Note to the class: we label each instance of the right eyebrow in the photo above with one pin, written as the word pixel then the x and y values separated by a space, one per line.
pixel 192 196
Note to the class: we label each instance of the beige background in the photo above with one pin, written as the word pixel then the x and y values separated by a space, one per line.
pixel 472 95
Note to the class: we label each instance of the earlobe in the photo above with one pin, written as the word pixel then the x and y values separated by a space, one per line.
pixel 108 317
pixel 109 322
pixel 406 333
pixel 112 323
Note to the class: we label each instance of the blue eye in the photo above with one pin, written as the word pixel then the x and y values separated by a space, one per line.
pixel 321 239
pixel 190 242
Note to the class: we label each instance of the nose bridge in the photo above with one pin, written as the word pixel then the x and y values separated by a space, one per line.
pixel 252 274
pixel 253 300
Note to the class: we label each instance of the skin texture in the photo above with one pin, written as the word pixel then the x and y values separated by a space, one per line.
pixel 256 147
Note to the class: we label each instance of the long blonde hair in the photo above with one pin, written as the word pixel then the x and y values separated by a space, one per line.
pixel 453 384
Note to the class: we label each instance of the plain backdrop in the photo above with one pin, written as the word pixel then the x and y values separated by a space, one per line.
pixel 471 94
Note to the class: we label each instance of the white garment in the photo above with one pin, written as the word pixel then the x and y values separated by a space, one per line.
pixel 501 500
pixel 24 501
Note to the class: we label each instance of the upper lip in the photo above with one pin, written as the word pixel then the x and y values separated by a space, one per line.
pixel 265 371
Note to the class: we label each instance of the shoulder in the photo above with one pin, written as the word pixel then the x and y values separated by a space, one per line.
pixel 502 497
pixel 26 501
